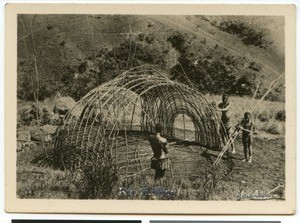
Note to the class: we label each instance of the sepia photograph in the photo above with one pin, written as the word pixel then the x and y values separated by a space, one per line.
pixel 151 107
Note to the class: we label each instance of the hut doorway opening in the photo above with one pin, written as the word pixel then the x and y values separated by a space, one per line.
pixel 184 128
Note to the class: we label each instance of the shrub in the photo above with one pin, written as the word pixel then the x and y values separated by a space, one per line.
pixel 210 71
pixel 77 78
pixel 150 38
pixel 141 36
pixel 180 41
pixel 255 66
pixel 263 117
pixel 274 128
pixel 247 32
pixel 98 178
pixel 274 95
pixel 29 113
pixel 280 116
pixel 245 85
pixel 29 90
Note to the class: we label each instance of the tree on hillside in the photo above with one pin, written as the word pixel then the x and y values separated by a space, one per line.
pixel 211 68
pixel 47 47
pixel 108 63
pixel 64 68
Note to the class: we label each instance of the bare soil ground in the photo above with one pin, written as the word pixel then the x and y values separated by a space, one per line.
pixel 263 174
pixel 196 177
pixel 192 176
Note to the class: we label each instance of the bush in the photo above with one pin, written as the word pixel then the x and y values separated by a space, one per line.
pixel 263 117
pixel 245 85
pixel 98 178
pixel 274 95
pixel 255 66
pixel 180 41
pixel 79 78
pixel 212 71
pixel 28 89
pixel 247 32
pixel 29 113
pixel 274 128
pixel 150 38
pixel 280 116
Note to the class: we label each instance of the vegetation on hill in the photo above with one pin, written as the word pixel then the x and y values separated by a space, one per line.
pixel 73 54
pixel 249 33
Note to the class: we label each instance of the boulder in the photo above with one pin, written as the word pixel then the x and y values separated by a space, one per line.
pixel 23 135
pixel 63 105
pixel 42 134
pixel 29 113
pixel 36 134
pixel 49 132
pixel 23 146
pixel 49 129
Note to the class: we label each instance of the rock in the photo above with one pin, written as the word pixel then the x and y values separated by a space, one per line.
pixel 255 66
pixel 43 134
pixel 29 112
pixel 23 135
pixel 19 146
pixel 23 146
pixel 63 105
pixel 57 119
pixel 49 129
pixel 36 134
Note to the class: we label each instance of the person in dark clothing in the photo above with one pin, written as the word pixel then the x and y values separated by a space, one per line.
pixel 247 128
pixel 159 161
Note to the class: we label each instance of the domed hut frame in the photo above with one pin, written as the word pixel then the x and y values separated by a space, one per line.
pixel 105 118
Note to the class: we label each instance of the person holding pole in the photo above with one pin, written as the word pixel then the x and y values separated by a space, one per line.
pixel 225 127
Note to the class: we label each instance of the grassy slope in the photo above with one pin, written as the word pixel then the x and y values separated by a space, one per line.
pixel 67 40
pixel 272 60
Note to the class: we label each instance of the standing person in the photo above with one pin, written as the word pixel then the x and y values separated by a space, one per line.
pixel 159 161
pixel 247 128
pixel 225 127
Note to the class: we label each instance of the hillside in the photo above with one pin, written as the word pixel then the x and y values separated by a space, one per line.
pixel 68 55
pixel 71 49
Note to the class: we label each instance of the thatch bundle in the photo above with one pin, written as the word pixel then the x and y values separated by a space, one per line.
pixel 107 116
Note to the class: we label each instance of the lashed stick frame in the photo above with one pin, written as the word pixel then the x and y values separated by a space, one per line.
pixel 109 116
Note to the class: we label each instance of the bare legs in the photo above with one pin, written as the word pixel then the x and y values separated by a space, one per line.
pixel 247 143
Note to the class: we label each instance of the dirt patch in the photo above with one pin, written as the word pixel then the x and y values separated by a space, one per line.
pixel 192 176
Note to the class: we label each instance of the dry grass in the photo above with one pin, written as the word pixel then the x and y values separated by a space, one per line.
pixel 193 178
pixel 263 115
pixel 34 182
